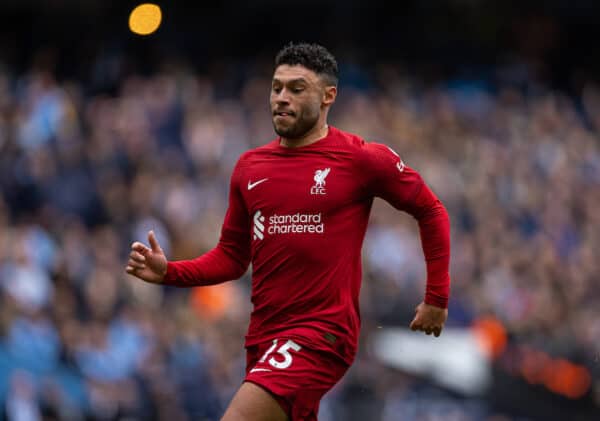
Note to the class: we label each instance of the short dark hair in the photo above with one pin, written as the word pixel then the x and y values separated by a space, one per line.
pixel 314 57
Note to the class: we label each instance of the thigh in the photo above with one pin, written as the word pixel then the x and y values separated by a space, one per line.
pixel 296 375
pixel 254 403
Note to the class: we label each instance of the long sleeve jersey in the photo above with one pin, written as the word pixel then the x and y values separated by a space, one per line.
pixel 299 215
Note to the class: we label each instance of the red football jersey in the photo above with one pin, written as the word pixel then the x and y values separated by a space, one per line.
pixel 299 215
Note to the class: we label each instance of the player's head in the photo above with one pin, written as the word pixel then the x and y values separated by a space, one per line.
pixel 304 87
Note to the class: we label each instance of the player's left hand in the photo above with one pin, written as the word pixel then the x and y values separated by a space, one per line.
pixel 429 319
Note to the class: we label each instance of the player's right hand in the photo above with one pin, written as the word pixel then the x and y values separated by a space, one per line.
pixel 148 264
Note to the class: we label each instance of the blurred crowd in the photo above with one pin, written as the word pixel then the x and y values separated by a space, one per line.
pixel 83 174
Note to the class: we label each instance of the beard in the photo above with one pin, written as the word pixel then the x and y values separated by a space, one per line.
pixel 301 124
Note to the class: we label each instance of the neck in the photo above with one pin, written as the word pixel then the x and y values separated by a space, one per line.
pixel 318 132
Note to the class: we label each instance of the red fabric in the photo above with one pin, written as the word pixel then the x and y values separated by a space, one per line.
pixel 299 387
pixel 409 193
pixel 303 231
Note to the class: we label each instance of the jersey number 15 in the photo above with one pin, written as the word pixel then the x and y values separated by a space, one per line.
pixel 283 350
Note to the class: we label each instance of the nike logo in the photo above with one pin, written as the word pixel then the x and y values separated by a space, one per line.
pixel 259 369
pixel 256 183
pixel 400 165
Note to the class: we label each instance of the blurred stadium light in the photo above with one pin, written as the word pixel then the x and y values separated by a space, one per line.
pixel 145 19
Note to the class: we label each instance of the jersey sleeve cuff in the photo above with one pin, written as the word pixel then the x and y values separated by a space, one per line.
pixel 435 300
pixel 172 273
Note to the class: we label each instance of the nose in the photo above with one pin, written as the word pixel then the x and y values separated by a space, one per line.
pixel 282 97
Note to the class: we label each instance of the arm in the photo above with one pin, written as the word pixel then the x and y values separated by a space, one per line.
pixel 403 188
pixel 434 228
pixel 227 261
pixel 230 258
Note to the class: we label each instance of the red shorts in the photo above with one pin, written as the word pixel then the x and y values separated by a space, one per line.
pixel 295 375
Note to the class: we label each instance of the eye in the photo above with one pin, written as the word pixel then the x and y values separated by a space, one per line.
pixel 297 90
pixel 276 89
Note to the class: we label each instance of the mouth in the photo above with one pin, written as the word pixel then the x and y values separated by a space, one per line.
pixel 283 114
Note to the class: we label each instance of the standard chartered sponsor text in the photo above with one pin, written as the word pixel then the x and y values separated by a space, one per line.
pixel 296 224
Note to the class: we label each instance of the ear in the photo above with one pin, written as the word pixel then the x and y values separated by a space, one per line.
pixel 329 95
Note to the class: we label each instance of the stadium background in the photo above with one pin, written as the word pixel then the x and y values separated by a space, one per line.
pixel 105 134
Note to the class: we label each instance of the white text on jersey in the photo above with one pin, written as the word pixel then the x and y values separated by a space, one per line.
pixel 298 223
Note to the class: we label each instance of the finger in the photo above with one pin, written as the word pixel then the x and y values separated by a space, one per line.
pixel 414 325
pixel 130 270
pixel 135 264
pixel 437 331
pixel 140 248
pixel 428 331
pixel 138 257
pixel 153 242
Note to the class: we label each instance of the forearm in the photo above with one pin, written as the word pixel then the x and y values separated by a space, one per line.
pixel 434 227
pixel 213 267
